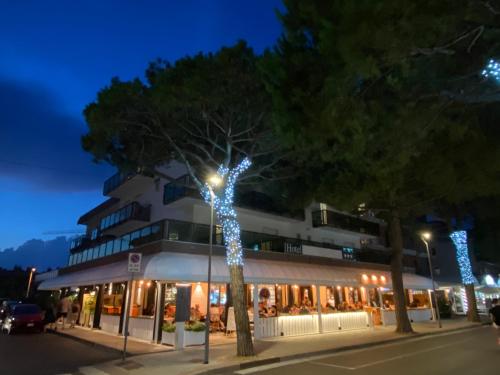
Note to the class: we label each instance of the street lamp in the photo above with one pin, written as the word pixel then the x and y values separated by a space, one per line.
pixel 425 237
pixel 213 181
pixel 29 281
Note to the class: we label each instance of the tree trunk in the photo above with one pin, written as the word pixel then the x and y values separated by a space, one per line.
pixel 243 335
pixel 472 314
pixel 396 239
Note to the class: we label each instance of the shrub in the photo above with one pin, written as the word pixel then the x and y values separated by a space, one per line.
pixel 168 327
pixel 195 327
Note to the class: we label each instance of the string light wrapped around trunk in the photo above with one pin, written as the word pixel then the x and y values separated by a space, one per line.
pixel 492 70
pixel 459 239
pixel 226 214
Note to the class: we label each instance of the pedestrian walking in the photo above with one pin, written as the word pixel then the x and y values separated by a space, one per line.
pixel 64 308
pixel 75 312
pixel 495 317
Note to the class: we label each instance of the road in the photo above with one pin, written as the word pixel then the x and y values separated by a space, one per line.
pixel 46 354
pixel 468 352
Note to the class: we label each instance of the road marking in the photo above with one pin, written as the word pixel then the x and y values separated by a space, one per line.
pixel 349 352
pixel 392 358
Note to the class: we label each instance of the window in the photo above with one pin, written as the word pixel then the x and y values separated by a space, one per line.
pixel 145 231
pixel 116 245
pixel 348 253
pixel 109 247
pixel 95 252
pixel 179 231
pixel 102 250
pixel 125 242
pixel 93 235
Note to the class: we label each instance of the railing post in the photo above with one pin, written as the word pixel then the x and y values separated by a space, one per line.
pixel 318 304
pixel 256 317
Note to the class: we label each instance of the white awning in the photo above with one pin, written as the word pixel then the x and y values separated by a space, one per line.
pixel 193 268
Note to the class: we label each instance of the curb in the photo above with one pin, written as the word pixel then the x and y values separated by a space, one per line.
pixel 271 360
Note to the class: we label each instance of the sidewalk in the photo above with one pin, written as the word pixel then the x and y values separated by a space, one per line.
pixel 223 359
pixel 111 342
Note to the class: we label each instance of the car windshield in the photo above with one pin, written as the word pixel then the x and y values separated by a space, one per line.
pixel 25 309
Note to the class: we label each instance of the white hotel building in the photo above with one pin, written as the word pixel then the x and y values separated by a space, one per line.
pixel 319 270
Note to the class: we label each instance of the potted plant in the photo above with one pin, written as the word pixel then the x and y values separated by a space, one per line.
pixel 194 333
pixel 168 334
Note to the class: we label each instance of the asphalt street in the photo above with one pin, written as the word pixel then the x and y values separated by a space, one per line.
pixel 468 352
pixel 46 354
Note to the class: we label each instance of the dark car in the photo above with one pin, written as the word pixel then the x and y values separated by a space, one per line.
pixel 23 316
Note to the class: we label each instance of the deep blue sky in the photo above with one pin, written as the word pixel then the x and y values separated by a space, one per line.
pixel 55 56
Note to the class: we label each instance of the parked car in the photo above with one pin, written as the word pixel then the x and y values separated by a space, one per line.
pixel 23 316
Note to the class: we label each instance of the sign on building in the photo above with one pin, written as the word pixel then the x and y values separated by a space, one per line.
pixel 134 262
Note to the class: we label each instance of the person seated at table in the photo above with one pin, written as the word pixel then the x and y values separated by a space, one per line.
pixel 330 306
pixel 387 305
pixel 414 304
pixel 294 310
pixel 169 310
pixel 272 311
pixel 195 313
pixel 263 311
pixel 306 302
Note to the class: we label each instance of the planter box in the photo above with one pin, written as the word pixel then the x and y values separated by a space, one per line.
pixel 168 338
pixel 194 338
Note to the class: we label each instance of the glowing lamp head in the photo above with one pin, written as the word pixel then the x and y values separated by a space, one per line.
pixel 383 279
pixel 374 278
pixel 426 236
pixel 214 180
pixel 33 269
pixel 364 277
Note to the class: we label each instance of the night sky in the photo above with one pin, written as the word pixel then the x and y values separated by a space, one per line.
pixel 55 56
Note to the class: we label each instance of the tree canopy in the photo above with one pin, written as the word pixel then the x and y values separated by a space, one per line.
pixel 205 111
pixel 385 104
pixel 385 99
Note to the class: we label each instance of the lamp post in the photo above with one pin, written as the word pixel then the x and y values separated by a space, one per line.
pixel 213 181
pixel 425 237
pixel 29 282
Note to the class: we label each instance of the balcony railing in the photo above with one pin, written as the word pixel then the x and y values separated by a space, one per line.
pixel 326 218
pixel 114 181
pixel 174 230
pixel 132 211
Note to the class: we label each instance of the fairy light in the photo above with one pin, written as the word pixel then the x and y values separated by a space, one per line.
pixel 492 70
pixel 223 201
pixel 459 239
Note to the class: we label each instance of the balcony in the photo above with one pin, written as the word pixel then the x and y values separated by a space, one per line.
pixel 121 185
pixel 132 211
pixel 332 219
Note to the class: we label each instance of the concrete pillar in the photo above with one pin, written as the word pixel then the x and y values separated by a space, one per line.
pixel 318 304
pixel 256 317
pixel 98 307
pixel 431 300
pixel 159 311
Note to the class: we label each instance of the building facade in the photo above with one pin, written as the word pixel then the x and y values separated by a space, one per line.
pixel 309 271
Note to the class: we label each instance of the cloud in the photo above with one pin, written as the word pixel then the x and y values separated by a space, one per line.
pixel 40 145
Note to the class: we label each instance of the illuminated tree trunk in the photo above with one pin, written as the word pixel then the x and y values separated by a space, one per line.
pixel 226 215
pixel 403 324
pixel 459 239
pixel 470 293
